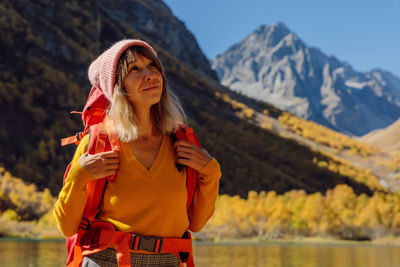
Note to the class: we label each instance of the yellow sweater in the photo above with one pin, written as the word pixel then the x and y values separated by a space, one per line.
pixel 146 202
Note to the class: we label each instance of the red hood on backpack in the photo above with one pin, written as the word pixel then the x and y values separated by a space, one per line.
pixel 103 71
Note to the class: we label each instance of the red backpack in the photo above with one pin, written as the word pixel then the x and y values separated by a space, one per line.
pixel 93 235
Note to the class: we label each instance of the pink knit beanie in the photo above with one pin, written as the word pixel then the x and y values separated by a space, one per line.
pixel 103 71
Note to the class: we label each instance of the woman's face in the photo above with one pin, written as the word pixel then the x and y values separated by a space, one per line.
pixel 143 83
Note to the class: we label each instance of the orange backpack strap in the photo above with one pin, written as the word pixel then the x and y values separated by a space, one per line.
pixel 102 138
pixel 73 139
pixel 186 133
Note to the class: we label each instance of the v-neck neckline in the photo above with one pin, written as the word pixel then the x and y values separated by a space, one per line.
pixel 139 167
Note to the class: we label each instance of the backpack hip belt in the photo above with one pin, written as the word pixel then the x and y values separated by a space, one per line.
pixel 102 235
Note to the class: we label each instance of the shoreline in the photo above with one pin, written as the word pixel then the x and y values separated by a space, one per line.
pixel 314 241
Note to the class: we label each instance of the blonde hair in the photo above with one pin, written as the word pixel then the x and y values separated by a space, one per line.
pixel 166 115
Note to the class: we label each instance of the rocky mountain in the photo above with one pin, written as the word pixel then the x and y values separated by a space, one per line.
pixel 274 65
pixel 45 50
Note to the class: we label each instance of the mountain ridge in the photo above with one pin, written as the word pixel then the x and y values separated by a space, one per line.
pixel 274 65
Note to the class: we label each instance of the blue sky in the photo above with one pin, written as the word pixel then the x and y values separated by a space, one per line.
pixel 364 33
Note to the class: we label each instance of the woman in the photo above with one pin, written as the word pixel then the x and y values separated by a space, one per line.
pixel 148 195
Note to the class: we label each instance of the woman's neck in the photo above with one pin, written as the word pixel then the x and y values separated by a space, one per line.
pixel 144 122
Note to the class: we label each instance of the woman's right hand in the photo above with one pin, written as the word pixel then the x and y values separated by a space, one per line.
pixel 100 165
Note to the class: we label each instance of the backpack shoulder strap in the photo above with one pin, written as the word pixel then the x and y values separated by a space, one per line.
pixel 98 142
pixel 102 138
pixel 192 176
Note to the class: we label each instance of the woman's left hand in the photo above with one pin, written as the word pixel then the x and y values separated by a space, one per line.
pixel 190 155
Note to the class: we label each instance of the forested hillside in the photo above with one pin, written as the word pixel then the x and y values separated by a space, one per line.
pixel 26 211
pixel 46 48
pixel 340 213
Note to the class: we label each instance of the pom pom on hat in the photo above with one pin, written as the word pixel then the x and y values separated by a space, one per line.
pixel 103 70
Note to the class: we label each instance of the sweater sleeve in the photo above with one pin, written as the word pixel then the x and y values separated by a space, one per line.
pixel 68 209
pixel 203 204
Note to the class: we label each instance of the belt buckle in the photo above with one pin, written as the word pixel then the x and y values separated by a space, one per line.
pixel 147 243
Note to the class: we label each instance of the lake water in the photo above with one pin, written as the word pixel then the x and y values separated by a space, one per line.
pixel 47 253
